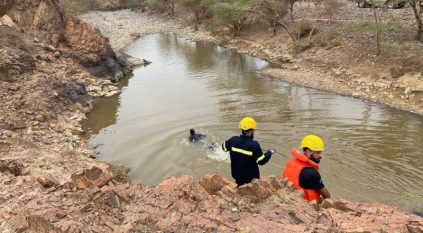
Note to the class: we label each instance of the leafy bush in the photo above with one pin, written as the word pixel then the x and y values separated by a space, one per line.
pixel 198 7
pixel 234 13
pixel 161 6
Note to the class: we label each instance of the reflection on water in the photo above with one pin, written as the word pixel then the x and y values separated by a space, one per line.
pixel 373 153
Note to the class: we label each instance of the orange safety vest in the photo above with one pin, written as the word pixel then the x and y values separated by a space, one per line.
pixel 293 170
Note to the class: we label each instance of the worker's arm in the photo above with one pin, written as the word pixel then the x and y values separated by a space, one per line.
pixel 262 158
pixel 226 145
pixel 325 193
pixel 310 179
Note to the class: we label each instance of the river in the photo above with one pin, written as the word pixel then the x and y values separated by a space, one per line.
pixel 372 152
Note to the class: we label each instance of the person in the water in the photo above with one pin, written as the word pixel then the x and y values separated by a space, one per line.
pixel 200 138
pixel 195 137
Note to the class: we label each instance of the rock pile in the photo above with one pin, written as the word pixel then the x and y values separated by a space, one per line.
pixel 93 202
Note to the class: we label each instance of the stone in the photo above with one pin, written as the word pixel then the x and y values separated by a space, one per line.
pixel 45 182
pixel 14 167
pixel 213 183
pixel 7 21
pixel 7 133
pixel 93 177
pixel 135 34
pixel 40 118
pixel 51 48
pixel 295 67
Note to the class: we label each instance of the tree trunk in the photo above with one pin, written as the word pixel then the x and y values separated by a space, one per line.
pixel 417 6
pixel 378 30
pixel 314 24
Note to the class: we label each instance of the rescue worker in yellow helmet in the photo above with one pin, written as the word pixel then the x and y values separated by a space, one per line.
pixel 303 169
pixel 245 153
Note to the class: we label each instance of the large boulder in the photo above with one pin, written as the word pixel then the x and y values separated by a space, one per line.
pixel 7 21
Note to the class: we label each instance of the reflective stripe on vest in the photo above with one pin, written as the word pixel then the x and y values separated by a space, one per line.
pixel 224 146
pixel 293 170
pixel 245 152
pixel 260 158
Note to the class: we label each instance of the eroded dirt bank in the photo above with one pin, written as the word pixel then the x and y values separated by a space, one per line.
pixel 346 67
pixel 51 66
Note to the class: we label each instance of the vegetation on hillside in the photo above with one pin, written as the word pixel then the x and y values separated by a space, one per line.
pixel 302 20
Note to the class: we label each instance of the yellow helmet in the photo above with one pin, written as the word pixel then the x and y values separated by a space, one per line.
pixel 313 143
pixel 247 123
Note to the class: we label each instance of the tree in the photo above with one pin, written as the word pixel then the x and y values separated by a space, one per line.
pixel 275 10
pixel 379 26
pixel 234 13
pixel 198 7
pixel 162 5
pixel 417 6
pixel 272 10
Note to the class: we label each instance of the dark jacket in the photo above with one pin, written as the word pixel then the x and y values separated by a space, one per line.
pixel 196 137
pixel 246 155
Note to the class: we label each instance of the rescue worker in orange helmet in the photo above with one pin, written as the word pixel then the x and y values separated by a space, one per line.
pixel 303 169
pixel 245 153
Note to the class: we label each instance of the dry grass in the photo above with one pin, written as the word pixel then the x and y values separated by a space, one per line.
pixel 76 7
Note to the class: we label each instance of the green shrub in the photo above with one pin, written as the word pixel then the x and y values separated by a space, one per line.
pixel 161 6
pixel 234 13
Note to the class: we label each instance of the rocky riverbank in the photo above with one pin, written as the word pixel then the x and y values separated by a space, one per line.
pixel 332 69
pixel 51 67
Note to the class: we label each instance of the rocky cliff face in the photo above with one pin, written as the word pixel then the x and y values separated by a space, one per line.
pixel 46 20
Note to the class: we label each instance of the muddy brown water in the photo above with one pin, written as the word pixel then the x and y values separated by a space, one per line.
pixel 373 152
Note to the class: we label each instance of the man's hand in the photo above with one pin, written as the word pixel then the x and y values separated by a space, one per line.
pixel 269 152
pixel 325 193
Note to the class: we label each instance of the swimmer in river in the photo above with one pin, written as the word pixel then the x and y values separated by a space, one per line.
pixel 195 137
pixel 200 138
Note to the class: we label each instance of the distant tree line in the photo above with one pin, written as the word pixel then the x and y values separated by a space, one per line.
pixel 277 14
